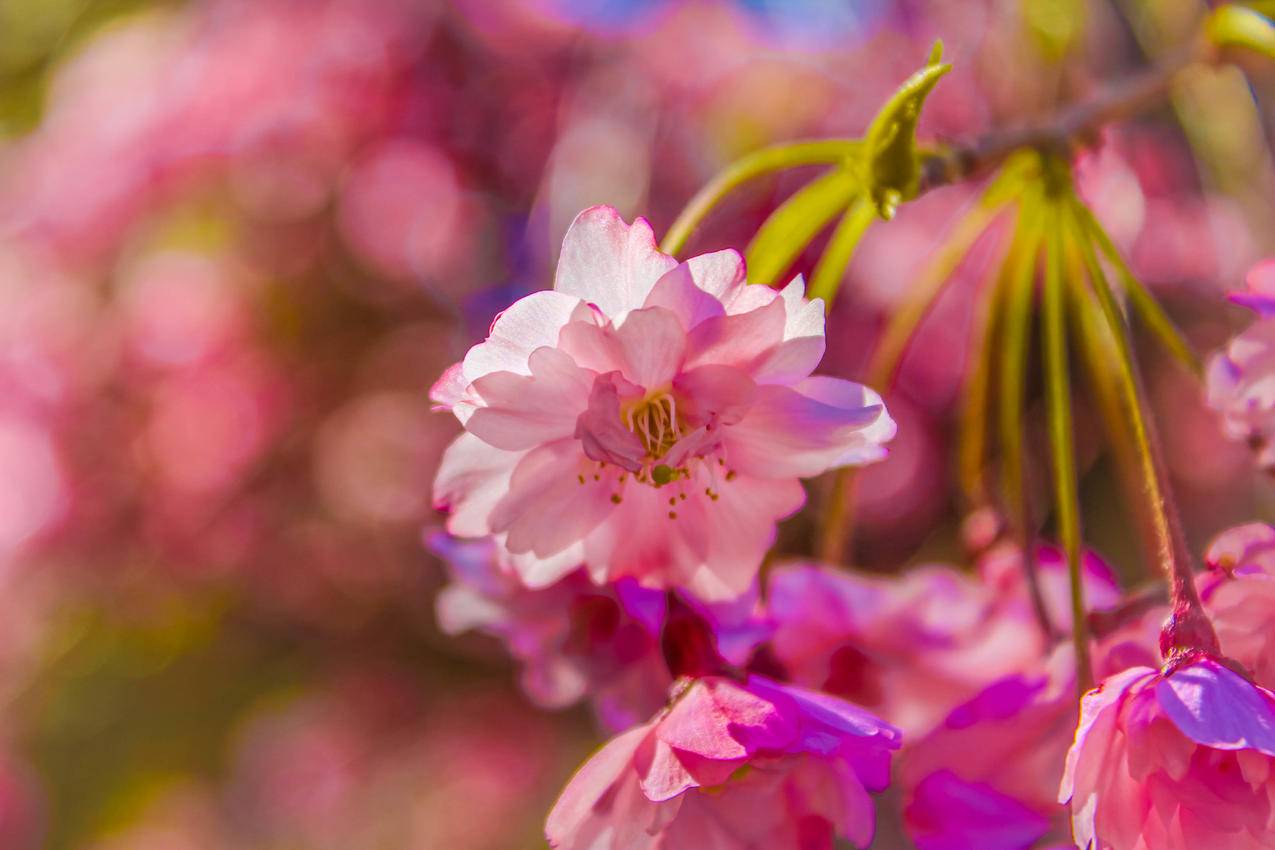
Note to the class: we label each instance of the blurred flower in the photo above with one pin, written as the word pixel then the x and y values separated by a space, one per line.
pixel 574 639
pixel 914 646
pixel 731 765
pixel 1239 596
pixel 637 392
pixel 1239 381
pixel 1174 760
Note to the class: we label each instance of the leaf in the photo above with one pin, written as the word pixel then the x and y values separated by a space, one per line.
pixel 1239 26
pixel 749 167
pixel 791 228
pixel 893 168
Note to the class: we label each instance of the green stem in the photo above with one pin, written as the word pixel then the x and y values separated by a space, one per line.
pixel 836 257
pixel 750 167
pixel 1058 394
pixel 976 399
pixel 1190 628
pixel 1142 301
pixel 1020 282
pixel 836 522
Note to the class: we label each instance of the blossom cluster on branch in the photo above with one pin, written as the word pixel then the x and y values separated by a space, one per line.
pixel 631 439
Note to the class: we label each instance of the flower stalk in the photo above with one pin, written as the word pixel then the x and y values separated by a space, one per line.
pixel 1058 393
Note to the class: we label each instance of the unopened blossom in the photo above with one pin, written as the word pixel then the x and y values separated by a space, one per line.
pixel 1176 760
pixel 1238 592
pixel 731 765
pixel 1241 377
pixel 646 418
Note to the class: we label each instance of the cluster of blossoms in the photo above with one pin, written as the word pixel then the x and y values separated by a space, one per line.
pixel 632 438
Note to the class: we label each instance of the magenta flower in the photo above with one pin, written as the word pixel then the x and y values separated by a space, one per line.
pixel 731 765
pixel 646 418
pixel 1239 594
pixel 1173 761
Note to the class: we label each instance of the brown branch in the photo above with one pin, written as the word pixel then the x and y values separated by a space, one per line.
pixel 1071 127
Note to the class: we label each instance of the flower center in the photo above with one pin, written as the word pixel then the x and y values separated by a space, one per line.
pixel 655 422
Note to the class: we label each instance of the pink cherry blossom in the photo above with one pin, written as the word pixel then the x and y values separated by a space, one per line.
pixel 1239 377
pixel 1178 760
pixel 646 418
pixel 731 765
pixel 1239 595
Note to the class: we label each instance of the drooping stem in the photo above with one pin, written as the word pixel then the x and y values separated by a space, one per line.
pixel 836 528
pixel 750 167
pixel 1189 628
pixel 1020 285
pixel 1142 301
pixel 832 265
pixel 1058 396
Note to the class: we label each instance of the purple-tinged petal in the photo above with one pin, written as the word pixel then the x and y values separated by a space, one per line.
pixel 1217 707
pixel 601 431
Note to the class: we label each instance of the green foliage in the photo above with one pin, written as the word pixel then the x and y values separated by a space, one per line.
pixel 1055 25
pixel 872 180
pixel 1241 26
pixel 798 220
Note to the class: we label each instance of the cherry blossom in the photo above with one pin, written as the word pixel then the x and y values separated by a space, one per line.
pixel 731 764
pixel 1173 760
pixel 646 418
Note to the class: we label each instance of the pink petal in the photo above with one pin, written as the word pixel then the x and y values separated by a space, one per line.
pixel 1097 723
pixel 608 263
pixel 1237 545
pixel 740 528
pixel 449 388
pixel 699 288
pixel 519 412
pixel 837 714
pixel 742 340
pixel 601 431
pixel 590 783
pixel 666 777
pixel 714 393
pixel 529 323
pixel 592 346
pixel 822 424
pixel 472 478
pixel 949 813
pixel 553 500
pixel 677 293
pixel 718 719
pixel 654 344
pixel 1215 706
pixel 803 345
